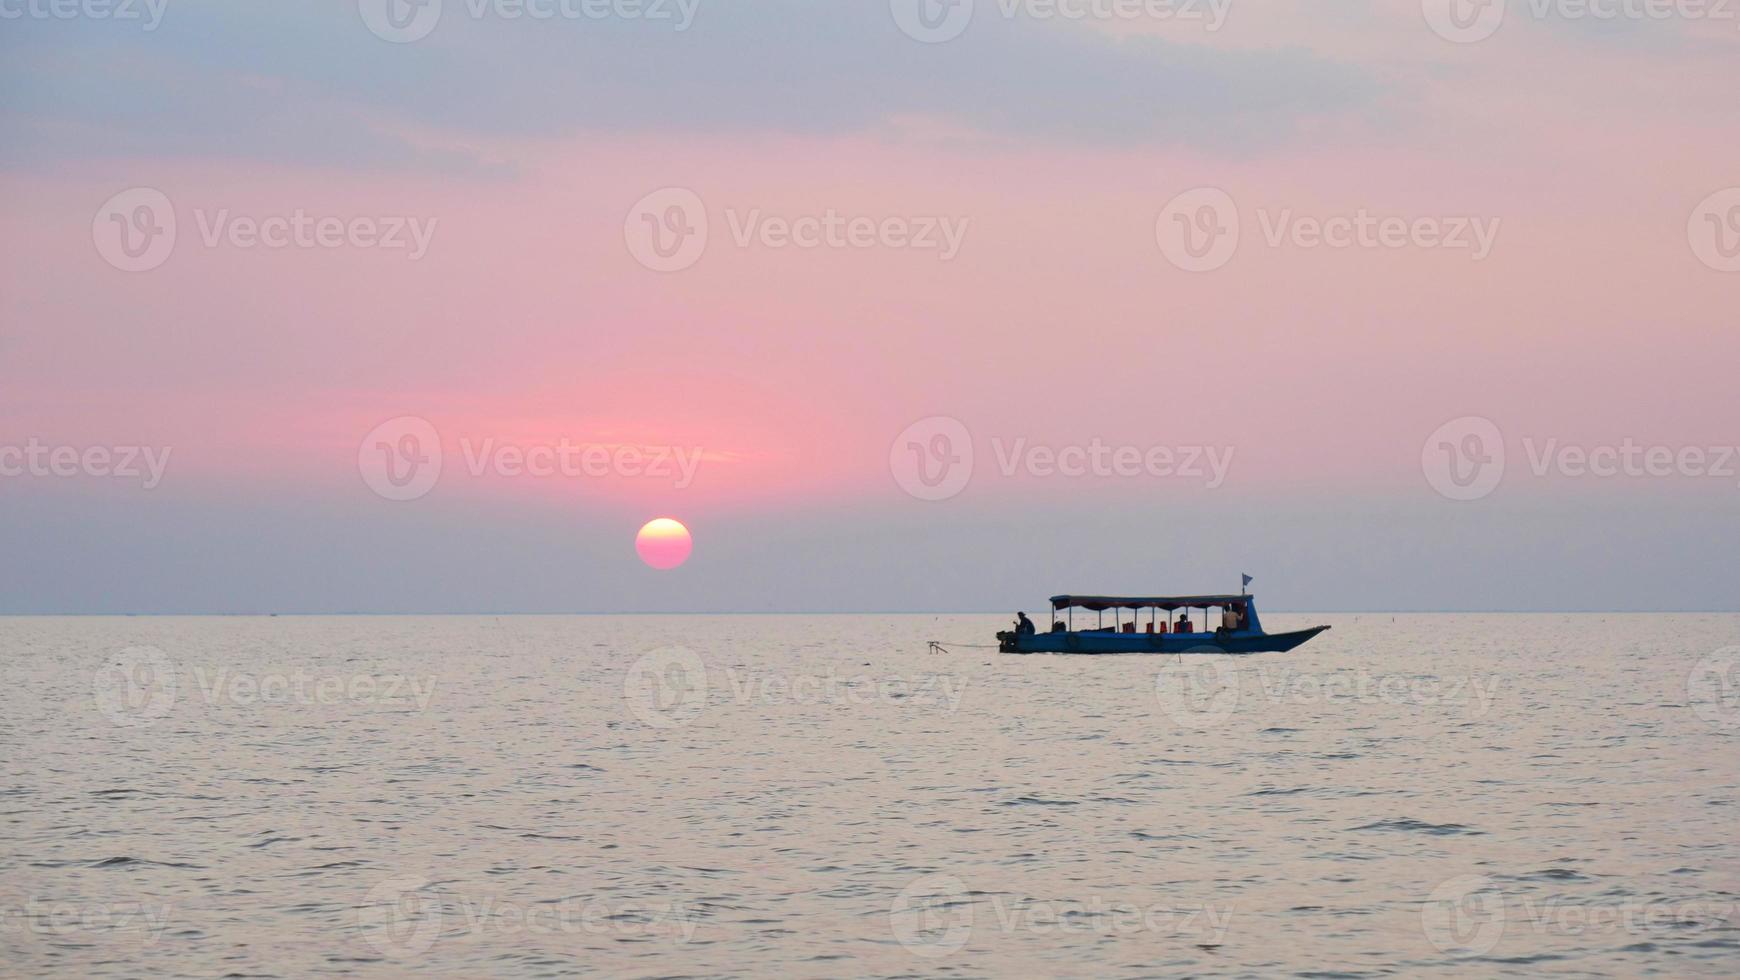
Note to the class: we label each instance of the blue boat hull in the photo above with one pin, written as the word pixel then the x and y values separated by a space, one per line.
pixel 1238 642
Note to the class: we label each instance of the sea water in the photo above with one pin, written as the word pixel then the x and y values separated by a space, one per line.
pixel 825 796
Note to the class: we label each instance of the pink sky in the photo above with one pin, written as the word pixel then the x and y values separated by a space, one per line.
pixel 1060 321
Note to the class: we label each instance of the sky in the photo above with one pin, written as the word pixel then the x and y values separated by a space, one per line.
pixel 394 307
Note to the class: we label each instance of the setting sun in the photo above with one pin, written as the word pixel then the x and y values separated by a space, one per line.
pixel 663 543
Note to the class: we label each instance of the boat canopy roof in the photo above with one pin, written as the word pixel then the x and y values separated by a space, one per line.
pixel 1168 602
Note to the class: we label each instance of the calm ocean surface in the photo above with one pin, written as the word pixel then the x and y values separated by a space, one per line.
pixel 820 796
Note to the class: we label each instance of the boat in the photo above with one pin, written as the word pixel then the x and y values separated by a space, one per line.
pixel 1238 630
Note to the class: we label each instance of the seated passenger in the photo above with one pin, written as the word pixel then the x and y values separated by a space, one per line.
pixel 1024 626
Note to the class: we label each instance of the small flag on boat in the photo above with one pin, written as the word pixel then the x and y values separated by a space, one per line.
pixel 1247 581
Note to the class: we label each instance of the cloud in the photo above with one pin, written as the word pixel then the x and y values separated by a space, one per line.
pixel 310 84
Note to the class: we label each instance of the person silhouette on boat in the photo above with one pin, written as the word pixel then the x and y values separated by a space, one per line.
pixel 1024 626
